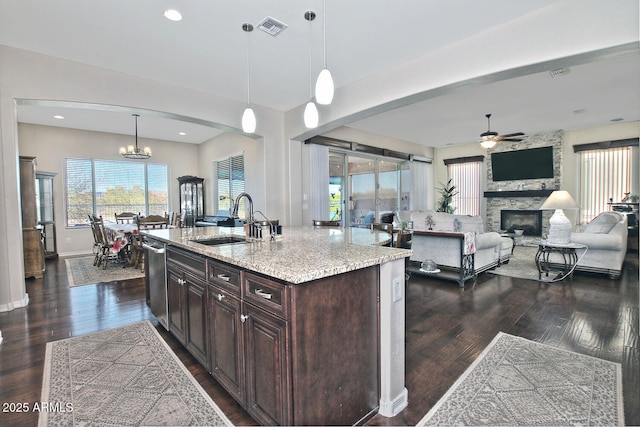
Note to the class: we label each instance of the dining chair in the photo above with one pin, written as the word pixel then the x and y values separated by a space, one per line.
pixel 147 223
pixel 125 217
pixel 325 223
pixel 105 252
pixel 97 241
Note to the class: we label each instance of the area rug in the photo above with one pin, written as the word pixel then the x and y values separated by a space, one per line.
pixel 81 271
pixel 126 376
pixel 520 382
pixel 522 265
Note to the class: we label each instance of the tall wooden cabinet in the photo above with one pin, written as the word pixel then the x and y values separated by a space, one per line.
pixel 191 199
pixel 31 231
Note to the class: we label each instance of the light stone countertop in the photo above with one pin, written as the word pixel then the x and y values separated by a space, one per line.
pixel 303 254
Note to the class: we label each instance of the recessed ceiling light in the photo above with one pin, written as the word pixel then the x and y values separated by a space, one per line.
pixel 58 116
pixel 182 133
pixel 173 15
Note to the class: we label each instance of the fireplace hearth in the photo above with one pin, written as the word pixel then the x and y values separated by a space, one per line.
pixel 528 220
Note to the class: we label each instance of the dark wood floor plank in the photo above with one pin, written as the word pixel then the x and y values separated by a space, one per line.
pixel 446 329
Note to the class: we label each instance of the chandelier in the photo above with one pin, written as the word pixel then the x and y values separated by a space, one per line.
pixel 132 152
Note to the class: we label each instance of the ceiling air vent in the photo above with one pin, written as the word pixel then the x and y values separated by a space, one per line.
pixel 558 72
pixel 272 26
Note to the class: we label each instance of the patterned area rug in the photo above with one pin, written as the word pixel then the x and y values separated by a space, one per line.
pixel 81 271
pixel 523 265
pixel 520 382
pixel 126 376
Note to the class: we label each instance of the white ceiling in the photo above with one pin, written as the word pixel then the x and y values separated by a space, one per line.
pixel 206 51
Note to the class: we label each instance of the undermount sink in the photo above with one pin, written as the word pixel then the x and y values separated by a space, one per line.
pixel 215 241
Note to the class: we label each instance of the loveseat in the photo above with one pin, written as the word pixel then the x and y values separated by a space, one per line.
pixel 606 240
pixel 482 250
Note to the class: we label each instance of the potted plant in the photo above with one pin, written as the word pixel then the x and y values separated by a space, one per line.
pixel 447 193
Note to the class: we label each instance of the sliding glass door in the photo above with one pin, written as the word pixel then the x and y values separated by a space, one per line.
pixel 373 188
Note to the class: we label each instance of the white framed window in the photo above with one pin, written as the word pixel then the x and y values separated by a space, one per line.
pixel 604 176
pixel 104 187
pixel 465 174
pixel 230 183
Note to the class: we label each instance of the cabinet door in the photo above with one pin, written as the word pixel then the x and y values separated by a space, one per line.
pixel 267 360
pixel 226 350
pixel 177 324
pixel 196 311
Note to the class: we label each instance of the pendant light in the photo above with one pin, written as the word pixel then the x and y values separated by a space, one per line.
pixel 135 153
pixel 310 111
pixel 324 84
pixel 248 117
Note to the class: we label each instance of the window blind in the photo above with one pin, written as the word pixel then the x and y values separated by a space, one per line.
pixel 465 176
pixel 230 183
pixel 104 187
pixel 605 175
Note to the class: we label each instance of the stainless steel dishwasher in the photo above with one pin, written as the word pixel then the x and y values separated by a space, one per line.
pixel 155 256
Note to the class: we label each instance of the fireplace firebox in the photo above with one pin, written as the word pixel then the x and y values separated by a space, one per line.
pixel 528 220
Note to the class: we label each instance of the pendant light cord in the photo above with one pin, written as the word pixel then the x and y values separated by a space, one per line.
pixel 248 72
pixel 324 30
pixel 136 116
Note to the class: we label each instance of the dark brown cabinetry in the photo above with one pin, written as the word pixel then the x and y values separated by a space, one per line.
pixel 290 354
pixel 33 253
pixel 226 341
pixel 187 301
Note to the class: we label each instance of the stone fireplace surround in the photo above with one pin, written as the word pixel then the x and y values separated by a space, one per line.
pixel 527 194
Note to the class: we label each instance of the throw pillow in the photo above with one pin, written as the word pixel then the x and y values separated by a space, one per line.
pixel 602 224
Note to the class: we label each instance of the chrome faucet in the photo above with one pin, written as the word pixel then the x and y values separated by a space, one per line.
pixel 236 206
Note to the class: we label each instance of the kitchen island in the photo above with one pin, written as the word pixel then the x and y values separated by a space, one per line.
pixel 305 330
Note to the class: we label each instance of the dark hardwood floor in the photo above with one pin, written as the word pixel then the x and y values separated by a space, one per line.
pixel 446 329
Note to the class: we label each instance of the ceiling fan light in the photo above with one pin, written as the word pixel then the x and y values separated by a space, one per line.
pixel 311 115
pixel 248 121
pixel 324 87
pixel 488 143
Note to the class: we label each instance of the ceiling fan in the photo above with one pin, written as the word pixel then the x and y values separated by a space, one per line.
pixel 489 138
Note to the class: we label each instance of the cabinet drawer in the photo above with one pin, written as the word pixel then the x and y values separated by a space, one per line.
pixel 187 261
pixel 267 294
pixel 225 276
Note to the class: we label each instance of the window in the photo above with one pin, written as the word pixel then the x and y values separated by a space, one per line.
pixel 464 173
pixel 230 177
pixel 105 187
pixel 605 175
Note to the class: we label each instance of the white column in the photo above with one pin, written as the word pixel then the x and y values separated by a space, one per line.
pixel 393 393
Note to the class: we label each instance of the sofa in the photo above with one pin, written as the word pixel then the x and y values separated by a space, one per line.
pixel 472 248
pixel 606 240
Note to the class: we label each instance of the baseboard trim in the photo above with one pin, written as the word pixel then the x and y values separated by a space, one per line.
pixel 391 408
pixel 15 304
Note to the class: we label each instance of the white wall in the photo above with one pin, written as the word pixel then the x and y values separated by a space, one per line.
pixel 222 147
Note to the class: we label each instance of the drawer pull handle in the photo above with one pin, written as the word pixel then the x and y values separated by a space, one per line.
pixel 263 294
pixel 243 318
pixel 220 297
pixel 224 277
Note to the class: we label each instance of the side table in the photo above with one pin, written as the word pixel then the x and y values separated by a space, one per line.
pixel 569 257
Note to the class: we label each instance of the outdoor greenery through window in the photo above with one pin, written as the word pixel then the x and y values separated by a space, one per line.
pixel 230 177
pixel 104 187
